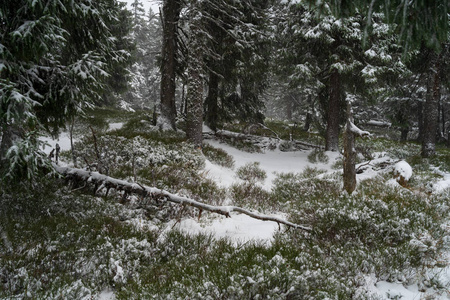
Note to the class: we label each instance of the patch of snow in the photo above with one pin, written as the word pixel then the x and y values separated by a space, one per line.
pixel 443 184
pixel 119 272
pixel 224 177
pixel 272 162
pixel 106 294
pixel 63 140
pixel 379 123
pixel 114 126
pixel 239 228
pixel 206 129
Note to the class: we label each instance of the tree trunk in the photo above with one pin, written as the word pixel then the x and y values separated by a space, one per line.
pixel 420 121
pixel 289 107
pixel 194 117
pixel 211 111
pixel 404 134
pixel 349 156
pixel 170 15
pixel 308 118
pixel 431 110
pixel 332 133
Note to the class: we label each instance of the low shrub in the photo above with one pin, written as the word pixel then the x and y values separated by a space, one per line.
pixel 318 156
pixel 251 172
pixel 218 156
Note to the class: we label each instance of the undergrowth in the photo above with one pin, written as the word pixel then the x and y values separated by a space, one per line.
pixel 59 241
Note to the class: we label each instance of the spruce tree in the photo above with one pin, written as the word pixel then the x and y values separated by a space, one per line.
pixel 55 59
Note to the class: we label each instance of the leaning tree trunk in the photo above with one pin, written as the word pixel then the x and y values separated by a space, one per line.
pixel 194 117
pixel 332 133
pixel 170 15
pixel 431 110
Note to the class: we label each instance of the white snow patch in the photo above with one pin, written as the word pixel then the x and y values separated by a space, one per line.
pixel 442 184
pixel 114 126
pixel 63 140
pixel 272 162
pixel 206 129
pixel 106 294
pixel 224 177
pixel 239 228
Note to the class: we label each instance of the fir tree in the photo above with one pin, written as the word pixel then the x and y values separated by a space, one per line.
pixel 55 59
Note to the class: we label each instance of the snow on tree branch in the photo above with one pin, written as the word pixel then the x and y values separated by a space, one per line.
pixel 354 129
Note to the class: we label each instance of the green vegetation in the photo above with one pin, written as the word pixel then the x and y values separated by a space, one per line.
pixel 58 240
pixel 218 156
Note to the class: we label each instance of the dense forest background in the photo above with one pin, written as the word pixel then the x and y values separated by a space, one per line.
pixel 221 62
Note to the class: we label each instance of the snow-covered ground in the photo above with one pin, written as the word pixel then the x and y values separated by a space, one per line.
pixel 241 228
pixel 272 162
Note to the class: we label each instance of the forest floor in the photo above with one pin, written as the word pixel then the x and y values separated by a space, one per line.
pixel 385 241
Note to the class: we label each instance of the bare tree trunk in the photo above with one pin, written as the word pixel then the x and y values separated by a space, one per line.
pixel 332 133
pixel 170 15
pixel 349 156
pixel 404 134
pixel 420 121
pixel 431 111
pixel 72 149
pixel 194 117
pixel 289 107
pixel 211 101
pixel 308 119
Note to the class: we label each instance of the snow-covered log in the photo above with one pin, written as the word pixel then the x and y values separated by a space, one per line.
pixel 260 141
pixel 102 181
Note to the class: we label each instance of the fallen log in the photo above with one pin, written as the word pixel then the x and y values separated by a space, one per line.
pixel 103 181
pixel 260 141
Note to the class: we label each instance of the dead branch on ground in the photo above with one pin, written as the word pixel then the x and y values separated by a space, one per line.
pixel 128 188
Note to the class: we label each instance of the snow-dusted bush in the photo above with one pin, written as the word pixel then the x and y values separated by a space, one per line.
pixel 368 232
pixel 251 195
pixel 318 156
pixel 251 172
pixel 218 156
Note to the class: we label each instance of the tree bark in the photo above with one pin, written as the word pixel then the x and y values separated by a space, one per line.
pixel 211 111
pixel 349 156
pixel 289 107
pixel 308 119
pixel 170 15
pixel 194 117
pixel 420 121
pixel 431 110
pixel 404 134
pixel 332 133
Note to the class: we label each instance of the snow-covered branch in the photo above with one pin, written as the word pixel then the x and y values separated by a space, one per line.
pixel 355 130
pixel 105 182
